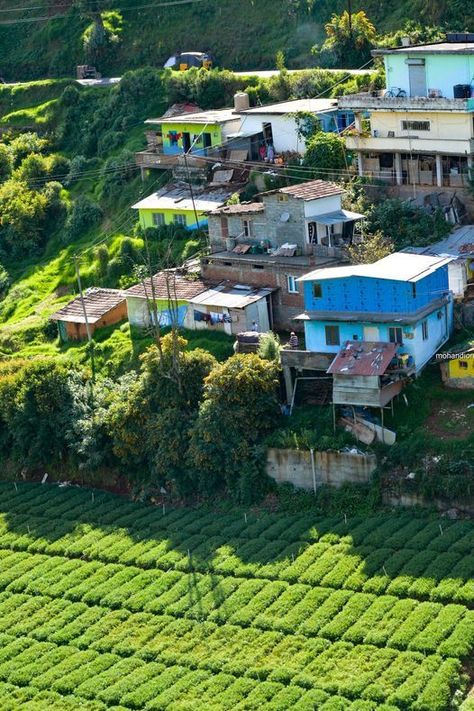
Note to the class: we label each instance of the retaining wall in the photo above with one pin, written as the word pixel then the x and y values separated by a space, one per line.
pixel 333 468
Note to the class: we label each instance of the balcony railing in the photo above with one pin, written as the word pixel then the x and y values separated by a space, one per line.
pixel 379 100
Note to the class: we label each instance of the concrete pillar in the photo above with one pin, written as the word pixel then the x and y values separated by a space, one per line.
pixel 358 122
pixel 360 163
pixel 288 383
pixel 470 166
pixel 439 170
pixel 398 168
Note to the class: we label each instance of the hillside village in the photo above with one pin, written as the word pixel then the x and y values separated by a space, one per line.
pixel 281 261
pixel 237 360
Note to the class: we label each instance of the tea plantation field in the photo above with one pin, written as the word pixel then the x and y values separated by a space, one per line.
pixel 106 604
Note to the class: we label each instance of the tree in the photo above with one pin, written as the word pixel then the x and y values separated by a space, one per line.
pixel 404 224
pixel 240 406
pixel 373 247
pixel 325 154
pixel 350 37
pixel 6 162
pixel 22 217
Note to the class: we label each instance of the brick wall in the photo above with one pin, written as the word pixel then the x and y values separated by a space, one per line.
pixel 285 305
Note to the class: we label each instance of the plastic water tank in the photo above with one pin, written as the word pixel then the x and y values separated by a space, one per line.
pixel 462 91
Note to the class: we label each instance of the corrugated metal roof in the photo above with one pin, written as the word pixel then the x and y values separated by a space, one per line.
pixel 336 217
pixel 98 303
pixel 363 358
pixel 288 107
pixel 312 190
pixel 460 242
pixel 399 266
pixel 210 117
pixel 181 286
pixel 169 202
pixel 229 296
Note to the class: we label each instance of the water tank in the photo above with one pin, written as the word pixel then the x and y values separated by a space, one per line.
pixel 461 91
pixel 241 101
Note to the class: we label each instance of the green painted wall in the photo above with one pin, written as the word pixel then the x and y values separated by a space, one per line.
pixel 194 129
pixel 146 217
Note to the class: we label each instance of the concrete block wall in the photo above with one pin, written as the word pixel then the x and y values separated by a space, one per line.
pixel 332 468
pixel 285 305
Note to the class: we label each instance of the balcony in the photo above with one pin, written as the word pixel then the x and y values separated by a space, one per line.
pixel 386 142
pixel 151 159
pixel 306 360
pixel 378 101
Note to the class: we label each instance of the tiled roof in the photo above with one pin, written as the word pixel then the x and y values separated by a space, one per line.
pixel 311 190
pixel 239 209
pixel 180 286
pixel 363 358
pixel 98 302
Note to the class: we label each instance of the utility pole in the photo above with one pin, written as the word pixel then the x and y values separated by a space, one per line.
pixel 188 177
pixel 86 319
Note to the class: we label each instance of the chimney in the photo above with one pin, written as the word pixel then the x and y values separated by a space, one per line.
pixel 241 101
pixel 406 42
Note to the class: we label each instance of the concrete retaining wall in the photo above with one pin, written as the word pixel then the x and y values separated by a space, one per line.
pixel 333 468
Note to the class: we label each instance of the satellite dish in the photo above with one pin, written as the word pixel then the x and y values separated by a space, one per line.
pixel 284 217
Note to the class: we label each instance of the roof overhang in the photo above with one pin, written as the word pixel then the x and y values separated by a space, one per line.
pixel 336 217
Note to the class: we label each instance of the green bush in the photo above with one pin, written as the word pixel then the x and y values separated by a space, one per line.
pixel 84 215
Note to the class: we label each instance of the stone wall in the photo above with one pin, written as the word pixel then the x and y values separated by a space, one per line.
pixel 333 468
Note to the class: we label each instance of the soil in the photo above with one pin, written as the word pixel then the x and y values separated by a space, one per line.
pixel 450 420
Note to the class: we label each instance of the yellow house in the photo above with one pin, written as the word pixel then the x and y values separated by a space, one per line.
pixel 179 207
pixel 457 367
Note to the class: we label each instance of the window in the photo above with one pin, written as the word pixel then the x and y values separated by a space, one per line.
pixel 332 336
pixel 246 227
pixel 282 197
pixel 413 289
pixel 424 330
pixel 395 335
pixel 180 220
pixel 416 125
pixel 158 219
pixel 317 290
pixel 463 364
pixel 257 266
pixel 292 285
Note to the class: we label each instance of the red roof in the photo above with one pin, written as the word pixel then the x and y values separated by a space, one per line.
pixel 363 358
pixel 311 190
pixel 166 283
pixel 97 302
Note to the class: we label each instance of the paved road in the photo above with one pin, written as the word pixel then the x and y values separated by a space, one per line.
pixel 265 74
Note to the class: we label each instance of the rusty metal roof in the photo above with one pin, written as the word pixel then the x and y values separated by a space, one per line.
pixel 312 190
pixel 180 286
pixel 98 303
pixel 363 358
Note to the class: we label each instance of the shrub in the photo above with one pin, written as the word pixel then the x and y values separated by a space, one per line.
pixel 84 215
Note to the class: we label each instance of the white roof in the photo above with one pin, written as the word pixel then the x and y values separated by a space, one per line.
pixel 291 107
pixel 399 266
pixel 206 117
pixel 231 297
pixel 168 202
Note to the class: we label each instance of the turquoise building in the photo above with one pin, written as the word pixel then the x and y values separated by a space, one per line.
pixel 402 299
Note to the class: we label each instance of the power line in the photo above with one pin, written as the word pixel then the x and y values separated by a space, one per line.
pixel 131 8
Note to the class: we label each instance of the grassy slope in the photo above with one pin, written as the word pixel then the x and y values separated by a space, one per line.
pixel 108 604
pixel 244 34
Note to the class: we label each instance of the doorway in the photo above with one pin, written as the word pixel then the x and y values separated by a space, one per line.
pixel 206 140
pixel 417 79
pixel 186 142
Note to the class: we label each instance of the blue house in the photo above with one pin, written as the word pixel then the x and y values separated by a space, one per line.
pixel 403 299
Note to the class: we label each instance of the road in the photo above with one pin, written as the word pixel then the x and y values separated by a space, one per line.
pixel 265 74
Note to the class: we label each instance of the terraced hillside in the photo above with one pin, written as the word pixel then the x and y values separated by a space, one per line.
pixel 105 604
